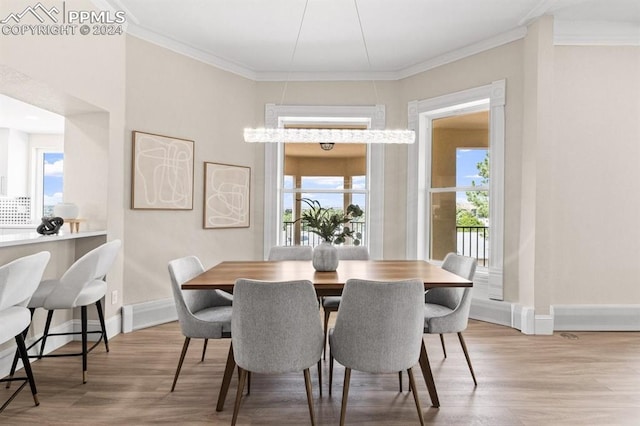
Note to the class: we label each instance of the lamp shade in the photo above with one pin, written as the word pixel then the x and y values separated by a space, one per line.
pixel 66 210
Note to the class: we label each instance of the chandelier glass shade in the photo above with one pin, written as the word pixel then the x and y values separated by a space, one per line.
pixel 328 135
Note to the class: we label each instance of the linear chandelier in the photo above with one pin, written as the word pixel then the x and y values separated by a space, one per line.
pixel 328 136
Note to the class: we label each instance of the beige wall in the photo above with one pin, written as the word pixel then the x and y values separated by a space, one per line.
pixel 596 178
pixel 306 166
pixel 170 94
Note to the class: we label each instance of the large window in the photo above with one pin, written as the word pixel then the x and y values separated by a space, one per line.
pixel 459 192
pixel 335 178
pixel 455 200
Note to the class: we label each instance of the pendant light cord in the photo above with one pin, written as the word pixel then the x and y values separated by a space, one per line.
pixel 366 49
pixel 293 54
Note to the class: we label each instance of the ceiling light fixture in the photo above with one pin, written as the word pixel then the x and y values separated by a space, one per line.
pixel 328 136
pixel 327 146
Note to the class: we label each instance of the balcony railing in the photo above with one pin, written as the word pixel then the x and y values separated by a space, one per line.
pixel 473 241
pixel 309 238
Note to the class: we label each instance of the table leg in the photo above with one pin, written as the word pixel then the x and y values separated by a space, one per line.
pixel 226 378
pixel 428 376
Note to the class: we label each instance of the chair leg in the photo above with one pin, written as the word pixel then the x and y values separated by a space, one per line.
pixel 45 334
pixel 466 355
pixel 14 364
pixel 400 380
pixel 184 352
pixel 83 319
pixel 327 314
pixel 320 376
pixel 345 394
pixel 330 371
pixel 307 383
pixel 236 406
pixel 412 385
pixel 204 349
pixel 444 350
pixel 27 367
pixel 102 324
pixel 248 380
pixel 22 351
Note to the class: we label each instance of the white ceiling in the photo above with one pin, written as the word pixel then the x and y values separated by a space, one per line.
pixel 256 38
pixel 15 114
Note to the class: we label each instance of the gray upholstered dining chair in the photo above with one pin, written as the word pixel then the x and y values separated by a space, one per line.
pixel 276 329
pixel 83 284
pixel 290 253
pixel 446 310
pixel 203 314
pixel 378 330
pixel 331 303
pixel 18 280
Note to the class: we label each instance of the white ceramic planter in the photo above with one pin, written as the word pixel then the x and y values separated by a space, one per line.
pixel 325 257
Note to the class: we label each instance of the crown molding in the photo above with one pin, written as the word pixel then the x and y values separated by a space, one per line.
pixel 189 51
pixel 470 50
pixel 565 33
pixel 537 11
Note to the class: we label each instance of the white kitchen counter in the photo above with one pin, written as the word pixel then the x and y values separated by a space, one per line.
pixel 18 239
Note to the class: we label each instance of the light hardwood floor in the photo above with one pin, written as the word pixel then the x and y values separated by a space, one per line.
pixel 585 378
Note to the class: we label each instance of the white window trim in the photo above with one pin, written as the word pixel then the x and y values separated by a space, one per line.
pixel 278 116
pixel 420 114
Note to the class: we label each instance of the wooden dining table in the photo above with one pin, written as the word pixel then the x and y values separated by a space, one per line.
pixel 224 275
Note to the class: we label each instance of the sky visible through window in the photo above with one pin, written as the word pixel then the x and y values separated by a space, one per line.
pixel 52 181
pixel 467 169
pixel 324 183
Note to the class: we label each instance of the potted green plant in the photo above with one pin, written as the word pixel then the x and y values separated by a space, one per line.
pixel 332 227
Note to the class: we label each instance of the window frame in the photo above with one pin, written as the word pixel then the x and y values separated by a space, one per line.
pixel 421 114
pixel 373 117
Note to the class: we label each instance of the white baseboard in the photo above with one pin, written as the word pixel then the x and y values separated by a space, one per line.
pixel 148 314
pixel 492 311
pixel 596 317
pixel 543 324
pixel 570 318
pixel 523 318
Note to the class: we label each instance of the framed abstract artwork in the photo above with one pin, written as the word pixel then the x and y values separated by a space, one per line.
pixel 226 196
pixel 162 172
